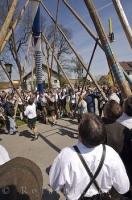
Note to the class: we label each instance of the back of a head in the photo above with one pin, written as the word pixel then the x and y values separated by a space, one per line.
pixel 31 101
pixel 9 98
pixel 112 110
pixel 128 106
pixel 91 130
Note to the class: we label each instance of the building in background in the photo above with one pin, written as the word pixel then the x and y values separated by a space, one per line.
pixel 127 66
pixel 54 78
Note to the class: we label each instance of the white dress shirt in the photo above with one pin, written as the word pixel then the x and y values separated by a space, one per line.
pixel 30 111
pixel 68 173
pixel 4 157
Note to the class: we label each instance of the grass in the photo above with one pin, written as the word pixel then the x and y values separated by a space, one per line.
pixel 20 122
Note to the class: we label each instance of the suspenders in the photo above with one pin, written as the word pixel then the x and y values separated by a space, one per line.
pixel 92 177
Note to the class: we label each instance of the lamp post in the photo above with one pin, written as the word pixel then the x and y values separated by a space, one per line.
pixel 9 68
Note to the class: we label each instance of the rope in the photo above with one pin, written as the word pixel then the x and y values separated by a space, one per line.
pixel 54 38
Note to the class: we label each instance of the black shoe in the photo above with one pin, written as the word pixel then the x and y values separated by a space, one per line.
pixel 14 133
pixel 35 137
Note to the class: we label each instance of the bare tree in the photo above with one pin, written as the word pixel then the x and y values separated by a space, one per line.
pixel 18 40
pixel 62 49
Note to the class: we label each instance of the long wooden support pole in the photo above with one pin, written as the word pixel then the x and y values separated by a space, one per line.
pixel 75 52
pixel 54 37
pixel 120 78
pixel 57 61
pixel 93 35
pixel 90 32
pixel 7 22
pixel 13 26
pixel 124 21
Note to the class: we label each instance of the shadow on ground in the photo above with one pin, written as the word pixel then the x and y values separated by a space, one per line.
pixel 70 120
pixel 49 143
pixel 70 133
pixel 26 133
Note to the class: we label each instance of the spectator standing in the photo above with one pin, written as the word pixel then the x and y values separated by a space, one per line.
pixel 9 113
pixel 30 112
pixel 69 174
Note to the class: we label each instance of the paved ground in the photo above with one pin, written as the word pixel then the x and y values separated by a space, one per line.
pixel 44 150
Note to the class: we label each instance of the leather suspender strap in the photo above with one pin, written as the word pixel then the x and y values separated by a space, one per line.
pixel 92 177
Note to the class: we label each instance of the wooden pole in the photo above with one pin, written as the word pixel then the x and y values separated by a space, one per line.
pixel 88 30
pixel 123 20
pixel 7 22
pixel 57 61
pixel 118 73
pixel 75 52
pixel 13 26
pixel 54 38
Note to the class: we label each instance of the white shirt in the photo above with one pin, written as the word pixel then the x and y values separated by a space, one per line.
pixel 114 97
pixel 82 107
pixel 4 157
pixel 30 111
pixel 69 174
pixel 125 120
pixel 73 98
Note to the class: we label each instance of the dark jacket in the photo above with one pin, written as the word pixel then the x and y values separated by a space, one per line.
pixel 120 138
pixel 9 109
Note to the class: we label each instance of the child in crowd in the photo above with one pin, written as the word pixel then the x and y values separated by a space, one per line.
pixel 30 112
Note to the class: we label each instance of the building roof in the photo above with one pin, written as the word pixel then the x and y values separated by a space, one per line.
pixel 7 85
pixel 127 66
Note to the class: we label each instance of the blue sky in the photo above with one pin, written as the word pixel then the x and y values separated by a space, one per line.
pixel 83 42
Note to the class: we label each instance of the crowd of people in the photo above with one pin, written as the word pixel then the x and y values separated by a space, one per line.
pixel 99 166
pixel 52 104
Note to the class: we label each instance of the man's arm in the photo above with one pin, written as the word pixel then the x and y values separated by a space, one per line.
pixel 120 179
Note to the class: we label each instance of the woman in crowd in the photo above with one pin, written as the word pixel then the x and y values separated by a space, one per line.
pixel 70 173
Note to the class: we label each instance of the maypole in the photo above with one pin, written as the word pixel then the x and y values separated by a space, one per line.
pixel 36 28
pixel 123 19
pixel 118 73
